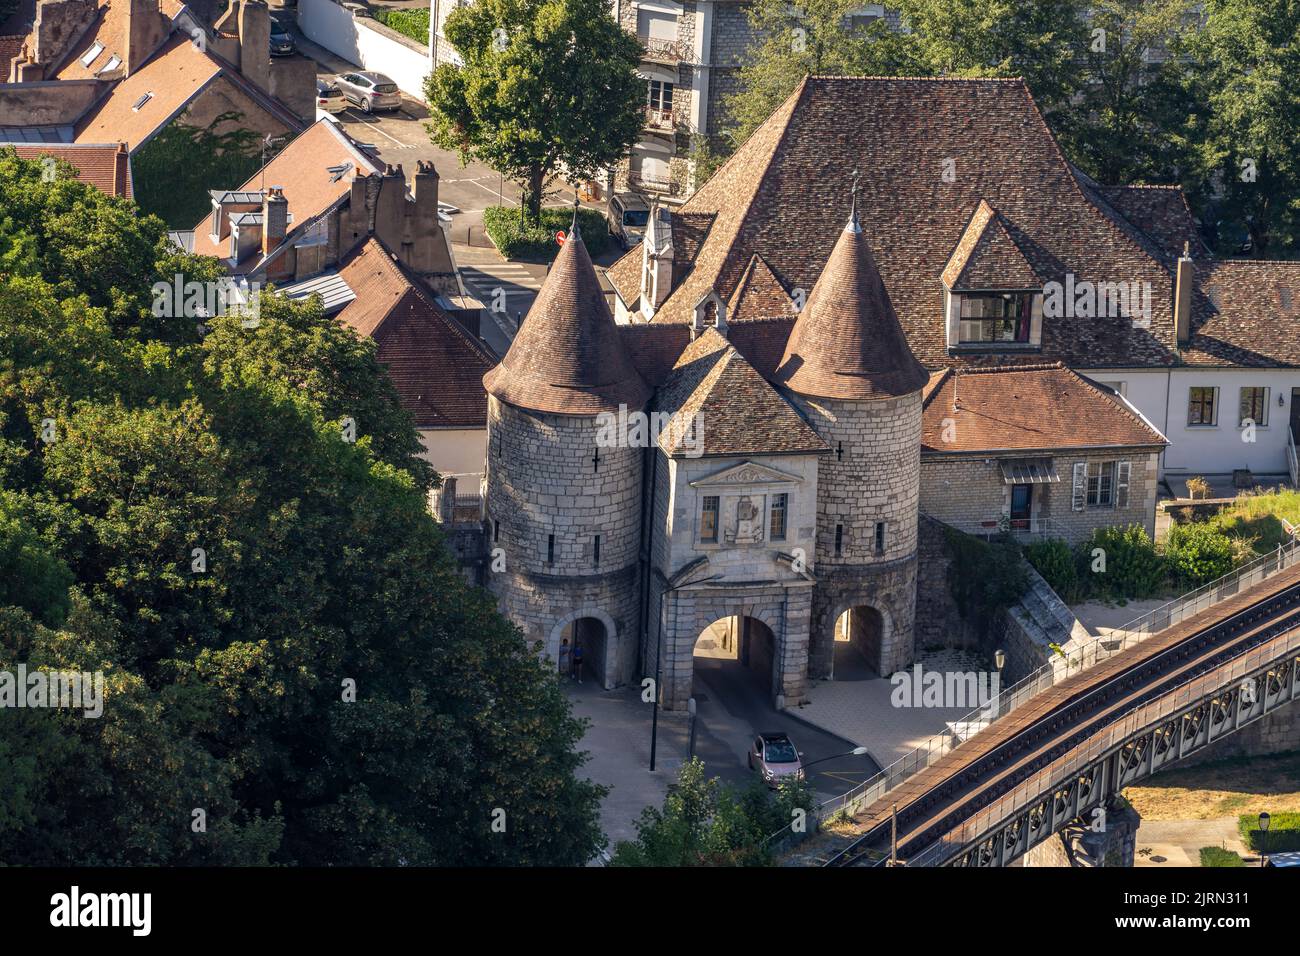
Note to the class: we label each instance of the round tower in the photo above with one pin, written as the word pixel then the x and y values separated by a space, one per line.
pixel 850 369
pixel 563 485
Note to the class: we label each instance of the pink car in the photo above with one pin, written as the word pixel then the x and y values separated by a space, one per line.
pixel 774 756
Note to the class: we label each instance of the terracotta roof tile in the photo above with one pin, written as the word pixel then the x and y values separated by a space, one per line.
pixel 847 342
pixel 1032 408
pixel 987 257
pixel 568 357
pixel 1245 312
pixel 1162 213
pixel 10 47
pixel 110 30
pixel 759 294
pixel 106 166
pixel 931 150
pixel 436 366
pixel 736 411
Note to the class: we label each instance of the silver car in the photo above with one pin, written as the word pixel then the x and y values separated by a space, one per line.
pixel 370 91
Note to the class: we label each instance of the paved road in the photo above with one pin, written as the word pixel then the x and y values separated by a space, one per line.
pixel 733 706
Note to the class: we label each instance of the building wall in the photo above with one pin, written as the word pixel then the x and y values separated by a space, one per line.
pixel 542 482
pixel 455 451
pixel 871 474
pixel 367 43
pixel 968 492
pixel 1162 396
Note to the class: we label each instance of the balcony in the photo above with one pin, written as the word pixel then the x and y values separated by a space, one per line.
pixel 660 121
pixel 1022 529
pixel 670 186
pixel 663 51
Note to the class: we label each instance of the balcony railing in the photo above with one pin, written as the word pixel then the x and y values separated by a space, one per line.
pixel 664 51
pixel 672 186
pixel 1025 528
pixel 662 121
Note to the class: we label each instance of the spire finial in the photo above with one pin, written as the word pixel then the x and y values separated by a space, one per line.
pixel 573 229
pixel 853 225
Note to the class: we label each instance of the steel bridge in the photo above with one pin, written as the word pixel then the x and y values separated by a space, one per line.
pixel 1070 748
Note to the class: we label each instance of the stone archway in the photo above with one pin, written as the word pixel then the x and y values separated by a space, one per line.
pixel 860 634
pixel 598 634
pixel 742 646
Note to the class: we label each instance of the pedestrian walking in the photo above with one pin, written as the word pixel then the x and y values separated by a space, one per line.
pixel 577 662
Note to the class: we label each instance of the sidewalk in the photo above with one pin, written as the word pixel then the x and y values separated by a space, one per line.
pixel 1179 842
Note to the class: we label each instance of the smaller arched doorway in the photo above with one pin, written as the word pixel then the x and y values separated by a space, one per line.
pixel 596 638
pixel 737 650
pixel 859 644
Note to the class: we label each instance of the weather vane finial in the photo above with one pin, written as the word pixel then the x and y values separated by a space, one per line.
pixel 853 214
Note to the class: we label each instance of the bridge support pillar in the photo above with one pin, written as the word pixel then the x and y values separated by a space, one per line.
pixel 1092 841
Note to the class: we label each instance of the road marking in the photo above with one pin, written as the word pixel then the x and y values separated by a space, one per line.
pixel 361 117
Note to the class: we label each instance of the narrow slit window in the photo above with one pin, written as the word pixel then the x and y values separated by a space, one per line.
pixel 596 550
pixel 880 537
pixel 839 540
pixel 550 549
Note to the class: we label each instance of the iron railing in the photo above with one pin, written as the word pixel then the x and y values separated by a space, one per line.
pixel 1143 718
pixel 1067 662
pixel 664 51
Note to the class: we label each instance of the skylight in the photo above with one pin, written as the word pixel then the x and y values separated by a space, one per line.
pixel 141 101
pixel 113 63
pixel 93 52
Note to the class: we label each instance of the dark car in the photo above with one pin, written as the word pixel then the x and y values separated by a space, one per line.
pixel 775 758
pixel 281 42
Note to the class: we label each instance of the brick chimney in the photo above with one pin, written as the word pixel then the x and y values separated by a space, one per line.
pixel 275 219
pixel 255 43
pixel 145 32
pixel 1183 297
pixel 390 208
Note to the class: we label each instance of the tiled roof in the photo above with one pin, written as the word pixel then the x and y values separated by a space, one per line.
pixel 847 342
pixel 10 47
pixel 735 410
pixel 759 294
pixel 930 151
pixel 1031 408
pixel 1245 312
pixel 302 169
pixel 568 356
pixel 109 30
pixel 987 257
pixel 434 362
pixel 106 166
pixel 1162 213
pixel 171 78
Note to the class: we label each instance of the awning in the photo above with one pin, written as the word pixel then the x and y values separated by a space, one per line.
pixel 1028 471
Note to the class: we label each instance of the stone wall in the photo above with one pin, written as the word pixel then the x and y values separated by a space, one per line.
pixel 967 491
pixel 48 102
pixel 1078 845
pixel 938 622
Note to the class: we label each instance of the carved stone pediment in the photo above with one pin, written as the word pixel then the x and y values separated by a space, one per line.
pixel 746 473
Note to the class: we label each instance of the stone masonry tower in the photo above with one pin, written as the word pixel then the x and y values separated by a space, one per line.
pixel 850 369
pixel 563 502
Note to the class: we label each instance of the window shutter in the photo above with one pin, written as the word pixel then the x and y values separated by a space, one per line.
pixel 1244 408
pixel 1122 470
pixel 1080 485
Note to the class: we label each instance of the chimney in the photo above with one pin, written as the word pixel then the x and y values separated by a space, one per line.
pixel 656 261
pixel 1183 297
pixel 390 209
pixel 122 170
pixel 275 219
pixel 255 43
pixel 144 33
pixel 426 192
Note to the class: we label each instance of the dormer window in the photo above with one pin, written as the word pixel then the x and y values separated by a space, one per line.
pixel 93 52
pixel 998 317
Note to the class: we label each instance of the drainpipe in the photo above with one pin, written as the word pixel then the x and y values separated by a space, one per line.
pixel 647 535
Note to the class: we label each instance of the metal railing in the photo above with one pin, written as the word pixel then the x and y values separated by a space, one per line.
pixel 1292 464
pixel 466 505
pixel 1146 717
pixel 660 119
pixel 1068 662
pixel 664 51
pixel 1016 527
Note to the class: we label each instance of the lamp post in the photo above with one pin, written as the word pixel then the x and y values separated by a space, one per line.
pixel 1264 821
pixel 855 752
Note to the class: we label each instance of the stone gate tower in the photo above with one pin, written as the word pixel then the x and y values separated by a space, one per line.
pixel 564 510
pixel 850 370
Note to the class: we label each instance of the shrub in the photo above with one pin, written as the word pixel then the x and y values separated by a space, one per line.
pixel 1198 553
pixel 1218 856
pixel 1283 832
pixel 1054 559
pixel 1198 487
pixel 409 23
pixel 984 576
pixel 1133 566
pixel 515 240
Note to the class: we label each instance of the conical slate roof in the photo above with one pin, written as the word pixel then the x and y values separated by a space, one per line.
pixel 847 343
pixel 568 357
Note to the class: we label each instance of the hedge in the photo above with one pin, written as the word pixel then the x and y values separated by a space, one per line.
pixel 537 243
pixel 410 23
pixel 1218 856
pixel 1283 832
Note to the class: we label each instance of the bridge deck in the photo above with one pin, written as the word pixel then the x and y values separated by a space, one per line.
pixel 909 797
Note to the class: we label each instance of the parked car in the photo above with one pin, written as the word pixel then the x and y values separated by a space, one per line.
pixel 627 215
pixel 281 41
pixel 775 758
pixel 370 91
pixel 329 97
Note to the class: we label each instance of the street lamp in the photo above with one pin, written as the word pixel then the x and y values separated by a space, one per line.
pixel 1264 821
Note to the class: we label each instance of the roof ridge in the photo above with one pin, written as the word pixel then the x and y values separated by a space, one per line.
pixel 994 369
pixel 930 79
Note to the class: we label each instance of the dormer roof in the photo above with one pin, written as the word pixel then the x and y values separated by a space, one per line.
pixel 988 257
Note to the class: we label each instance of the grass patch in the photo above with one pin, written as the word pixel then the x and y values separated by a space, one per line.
pixel 1283 832
pixel 1240 786
pixel 1218 856
pixel 537 243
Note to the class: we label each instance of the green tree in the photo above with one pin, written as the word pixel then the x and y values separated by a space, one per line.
pixel 229 680
pixel 546 85
pixel 704 822
pixel 1242 77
